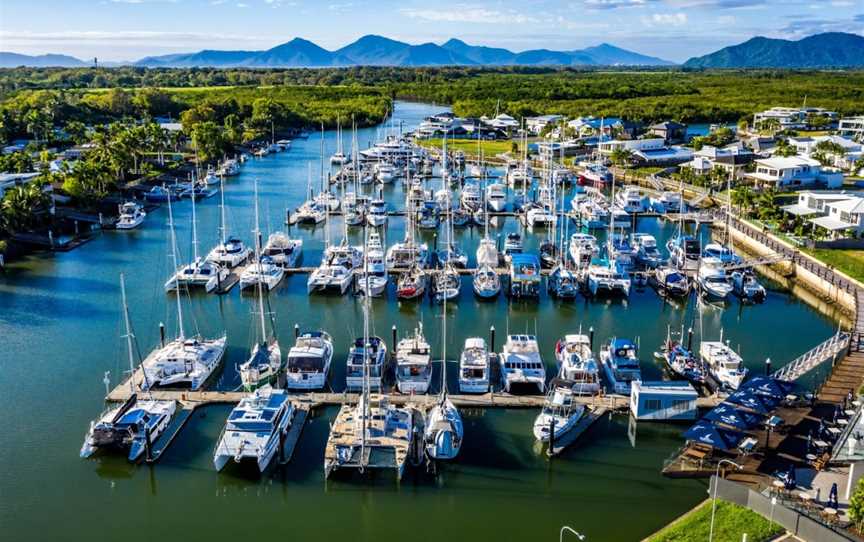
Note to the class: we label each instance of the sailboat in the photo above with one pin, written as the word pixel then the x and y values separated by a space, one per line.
pixel 230 252
pixel 444 430
pixel 264 271
pixel 185 361
pixel 339 157
pixel 134 425
pixel 264 364
pixel 447 282
pixel 563 283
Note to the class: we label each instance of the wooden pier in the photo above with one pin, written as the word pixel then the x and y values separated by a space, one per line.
pixel 592 414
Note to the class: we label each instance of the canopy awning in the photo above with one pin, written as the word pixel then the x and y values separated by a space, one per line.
pixel 799 210
pixel 733 417
pixel 831 224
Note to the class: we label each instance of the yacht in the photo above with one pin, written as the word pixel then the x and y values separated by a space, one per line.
pixel 210 178
pixel 229 168
pixel 309 361
pixel 376 215
pixel 524 275
pixel 684 252
pixel 630 199
pixel 747 286
pixel 725 364
pixel 376 359
pixel 621 253
pixel 535 215
pixel 157 194
pixel 406 255
pixel 668 202
pixel 452 254
pixel 576 363
pixel 131 216
pixel 373 278
pixel 560 412
pixel 471 197
pixel 230 253
pixel 496 197
pixel 712 281
pixel 255 429
pixel 681 363
pixel 413 363
pixel 596 175
pixel 282 250
pixel 474 366
pixel 670 282
pixel 328 201
pixel 722 253
pixel 593 214
pixel 345 255
pixel 563 283
pixel 264 272
pixel 128 427
pixel 620 358
pixel 339 158
pixel 428 217
pixel 198 273
pixel 486 282
pixel 443 431
pixel 311 212
pixel 446 284
pixel 512 245
pixel 603 279
pixel 647 253
pixel 330 278
pixel 621 219
pixel 521 363
pixel 582 248
pixel 384 172
pixel 411 284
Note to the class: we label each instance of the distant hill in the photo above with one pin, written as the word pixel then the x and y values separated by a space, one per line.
pixel 831 49
pixel 13 60
pixel 374 50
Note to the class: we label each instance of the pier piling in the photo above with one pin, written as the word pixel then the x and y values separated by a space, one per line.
pixel 162 334
pixel 690 339
pixel 591 338
pixel 296 331
pixel 767 366
pixel 491 338
pixel 393 340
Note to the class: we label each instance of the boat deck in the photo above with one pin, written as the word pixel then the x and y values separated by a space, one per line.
pixel 592 414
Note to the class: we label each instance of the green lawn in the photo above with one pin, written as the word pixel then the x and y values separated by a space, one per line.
pixel 850 262
pixel 469 146
pixel 730 524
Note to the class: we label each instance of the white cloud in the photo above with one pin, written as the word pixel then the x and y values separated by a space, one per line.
pixel 612 4
pixel 468 14
pixel 665 19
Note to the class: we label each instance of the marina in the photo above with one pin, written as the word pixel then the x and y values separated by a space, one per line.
pixel 593 466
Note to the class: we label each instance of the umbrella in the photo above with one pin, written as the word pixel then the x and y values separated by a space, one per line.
pixel 705 432
pixel 747 398
pixel 727 414
pixel 771 387
pixel 832 497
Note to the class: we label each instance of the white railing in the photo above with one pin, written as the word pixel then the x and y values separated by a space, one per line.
pixel 810 360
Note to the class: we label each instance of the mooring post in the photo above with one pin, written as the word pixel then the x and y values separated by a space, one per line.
pixel 393 340
pixel 148 446
pixel 767 366
pixel 591 338
pixel 552 437
pixel 690 339
pixel 296 331
pixel 492 338
pixel 282 447
pixel 162 334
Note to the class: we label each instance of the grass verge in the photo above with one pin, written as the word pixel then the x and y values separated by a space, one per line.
pixel 731 522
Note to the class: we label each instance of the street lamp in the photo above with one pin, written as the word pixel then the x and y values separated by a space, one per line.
pixel 580 536
pixel 714 498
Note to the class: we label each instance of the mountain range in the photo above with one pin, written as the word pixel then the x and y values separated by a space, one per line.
pixel 828 50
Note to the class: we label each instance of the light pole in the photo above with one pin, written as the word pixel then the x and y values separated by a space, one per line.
pixel 714 498
pixel 580 536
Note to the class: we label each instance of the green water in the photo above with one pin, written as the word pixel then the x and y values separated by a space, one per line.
pixel 60 328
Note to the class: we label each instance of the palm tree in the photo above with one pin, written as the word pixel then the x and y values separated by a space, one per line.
pixel 621 156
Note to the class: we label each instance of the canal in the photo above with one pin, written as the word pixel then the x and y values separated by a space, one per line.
pixel 60 332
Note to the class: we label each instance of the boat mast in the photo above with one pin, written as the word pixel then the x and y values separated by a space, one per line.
pixel 128 334
pixel 222 208
pixel 194 226
pixel 444 351
pixel 366 345
pixel 176 268
pixel 324 188
pixel 257 232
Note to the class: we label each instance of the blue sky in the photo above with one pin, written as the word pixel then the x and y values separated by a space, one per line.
pixel 671 29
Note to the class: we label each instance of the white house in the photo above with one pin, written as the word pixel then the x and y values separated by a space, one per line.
pixel 850 158
pixel 837 212
pixel 608 147
pixel 792 171
pixel 791 117
pixel 8 180
pixel 660 401
pixel 648 151
pixel 852 127
pixel 535 125
pixel 502 122
pixel 731 159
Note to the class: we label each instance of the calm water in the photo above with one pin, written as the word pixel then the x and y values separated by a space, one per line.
pixel 60 327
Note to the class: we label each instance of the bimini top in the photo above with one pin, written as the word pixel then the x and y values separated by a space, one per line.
pixel 623 344
pixel 525 267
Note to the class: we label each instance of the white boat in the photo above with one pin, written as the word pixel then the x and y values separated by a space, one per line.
pixel 595 174
pixel 582 249
pixel 339 158
pixel 535 215
pixel 576 363
pixel 631 200
pixel 349 257
pixel 560 412
pixel 229 168
pixel 375 351
pixel 512 245
pixel 407 254
pixel 443 431
pixel 486 282
pixel 282 250
pixel 255 429
pixel 211 178
pixel 474 366
pixel 131 216
pixel 198 273
pixel 747 286
pixel 308 362
pixel 620 252
pixel 373 278
pixel 446 284
pixel 521 363
pixel 620 358
pixel 328 200
pixel 413 363
pixel 684 252
pixel 712 281
pixel 376 214
pixel 471 197
pixel 724 363
pixel 725 254
pixel 453 255
pixel 411 284
pixel 487 253
pixel 496 197
pixel 603 280
pixel 264 272
pixel 593 214
pixel 620 218
pixel 230 253
pixel 311 212
pixel 330 278
pixel 384 172
pixel 127 427
pixel 668 202
pixel 647 253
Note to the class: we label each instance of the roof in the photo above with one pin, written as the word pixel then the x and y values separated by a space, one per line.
pixel 851 205
pixel 734 159
pixel 799 210
pixel 523 258
pixel 668 125
pixel 671 387
pixel 786 162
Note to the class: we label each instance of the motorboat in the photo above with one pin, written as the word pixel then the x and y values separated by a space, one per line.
pixel 593 214
pixel 384 172
pixel 524 275
pixel 681 362
pixel 726 255
pixel 596 175
pixel 130 428
pixel 647 253
pixel 606 280
pixel 747 286
pixel 210 178
pixel 563 283
pixel 282 250
pixel 157 194
pixel 471 197
pixel 229 168
pixel 411 284
pixel 460 217
pixel 131 216
pixel 725 364
pixel 376 214
pixel 375 351
pixel 446 284
pixel 373 278
pixel 620 252
pixel 308 362
pixel 621 219
pixel 512 245
pixel 255 429
pixel 712 281
pixel 668 202
pixel 670 282
pixel 550 255
pixel 521 364
pixel 576 363
pixel 428 217
pixel 413 363
pixel 560 413
pixel 474 366
pixel 535 215
pixel 486 282
pixel 582 248
pixel 496 197
pixel 684 252
pixel 631 200
pixel 339 158
pixel 620 358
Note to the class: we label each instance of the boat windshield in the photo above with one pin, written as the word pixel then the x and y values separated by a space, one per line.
pixel 305 364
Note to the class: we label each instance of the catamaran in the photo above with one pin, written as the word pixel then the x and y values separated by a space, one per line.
pixel 474 366
pixel 413 363
pixel 254 429
pixel 133 426
pixel 263 271
pixel 521 363
pixel 200 272
pixel 309 361
pixel 620 358
pixel 230 252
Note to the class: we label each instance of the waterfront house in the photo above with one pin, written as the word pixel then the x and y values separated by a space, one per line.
pixel 732 159
pixel 501 122
pixel 9 180
pixel 670 131
pixel 852 127
pixel 536 125
pixel 839 213
pixel 650 151
pixel 849 159
pixel 588 126
pixel 784 172
pixel 663 401
pixel 791 118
